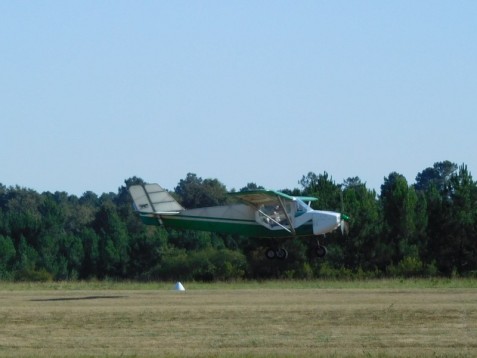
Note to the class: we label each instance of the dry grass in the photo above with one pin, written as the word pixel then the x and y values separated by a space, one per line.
pixel 238 322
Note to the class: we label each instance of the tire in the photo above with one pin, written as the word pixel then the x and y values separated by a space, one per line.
pixel 270 254
pixel 321 251
pixel 282 254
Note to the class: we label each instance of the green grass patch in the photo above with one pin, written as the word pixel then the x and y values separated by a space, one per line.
pixel 418 283
pixel 379 318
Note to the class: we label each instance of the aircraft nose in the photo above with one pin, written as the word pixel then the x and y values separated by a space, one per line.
pixel 325 221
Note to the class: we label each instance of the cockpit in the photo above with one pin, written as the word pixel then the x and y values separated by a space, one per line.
pixel 275 216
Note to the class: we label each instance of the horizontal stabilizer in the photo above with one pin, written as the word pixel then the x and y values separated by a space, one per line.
pixel 151 198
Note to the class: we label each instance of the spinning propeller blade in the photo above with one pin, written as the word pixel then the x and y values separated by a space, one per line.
pixel 344 224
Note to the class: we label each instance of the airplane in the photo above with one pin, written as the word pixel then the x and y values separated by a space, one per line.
pixel 259 213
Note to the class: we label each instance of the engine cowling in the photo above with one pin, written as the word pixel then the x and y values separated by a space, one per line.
pixel 325 222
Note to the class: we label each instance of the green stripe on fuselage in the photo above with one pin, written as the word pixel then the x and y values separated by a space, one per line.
pixel 228 226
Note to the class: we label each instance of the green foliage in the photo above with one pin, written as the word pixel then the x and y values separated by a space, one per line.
pixel 422 230
pixel 113 241
pixel 251 186
pixel 146 252
pixel 29 275
pixel 323 187
pixel 360 246
pixel 7 257
pixel 329 272
pixel 194 192
pixel 437 176
pixel 204 265
pixel 408 267
pixel 399 202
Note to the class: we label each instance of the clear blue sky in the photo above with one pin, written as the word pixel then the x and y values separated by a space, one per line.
pixel 94 92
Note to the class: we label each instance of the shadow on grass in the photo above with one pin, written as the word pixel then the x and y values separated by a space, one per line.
pixel 75 298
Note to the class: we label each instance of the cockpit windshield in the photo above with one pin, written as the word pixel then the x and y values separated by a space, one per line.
pixel 301 207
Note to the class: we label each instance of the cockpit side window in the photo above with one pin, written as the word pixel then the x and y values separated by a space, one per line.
pixel 273 217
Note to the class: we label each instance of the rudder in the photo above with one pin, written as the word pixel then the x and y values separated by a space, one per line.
pixel 152 198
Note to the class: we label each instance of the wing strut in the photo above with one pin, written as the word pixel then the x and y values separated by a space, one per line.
pixel 276 222
pixel 287 216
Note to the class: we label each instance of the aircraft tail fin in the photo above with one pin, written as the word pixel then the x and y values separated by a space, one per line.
pixel 152 199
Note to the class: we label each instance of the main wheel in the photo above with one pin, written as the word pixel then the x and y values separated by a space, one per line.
pixel 282 254
pixel 321 251
pixel 270 254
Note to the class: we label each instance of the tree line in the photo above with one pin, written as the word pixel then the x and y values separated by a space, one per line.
pixel 425 229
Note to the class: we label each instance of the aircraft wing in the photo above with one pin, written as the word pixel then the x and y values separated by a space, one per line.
pixel 257 198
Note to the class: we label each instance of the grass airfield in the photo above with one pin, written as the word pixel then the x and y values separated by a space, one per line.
pixel 389 318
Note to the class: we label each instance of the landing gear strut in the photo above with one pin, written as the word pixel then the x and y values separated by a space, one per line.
pixel 279 253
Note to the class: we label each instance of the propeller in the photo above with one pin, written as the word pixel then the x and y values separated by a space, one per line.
pixel 344 223
pixel 344 219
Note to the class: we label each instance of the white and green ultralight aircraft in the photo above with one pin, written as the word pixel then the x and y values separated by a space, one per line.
pixel 259 213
